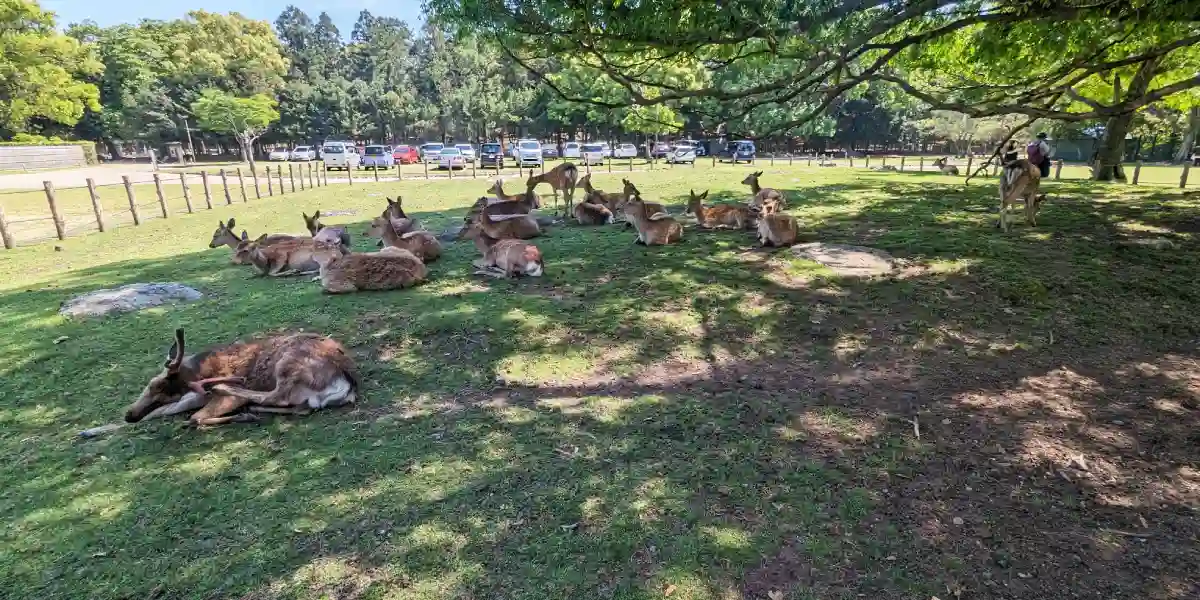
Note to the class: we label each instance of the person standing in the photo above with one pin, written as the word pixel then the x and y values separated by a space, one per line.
pixel 1010 152
pixel 1038 152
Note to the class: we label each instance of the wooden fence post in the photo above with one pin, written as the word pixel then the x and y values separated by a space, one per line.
pixel 279 176
pixel 187 194
pixel 426 166
pixel 310 177
pixel 91 183
pixel 970 160
pixel 791 157
pixel 399 172
pixel 162 198
pixel 772 159
pixel 809 161
pixel 901 163
pixel 543 166
pixel 270 183
pixel 1058 169
pixel 207 190
pixel 225 185
pixel 921 164
pixel 473 163
pixel 867 158
pixel 1187 166
pixel 299 168
pixel 254 176
pixel 53 201
pixel 1137 172
pixel 630 164
pixel 291 177
pixel 133 209
pixel 4 234
pixel 714 160
pixel 851 159
pixel 375 170
pixel 450 170
pixel 242 184
pixel 349 176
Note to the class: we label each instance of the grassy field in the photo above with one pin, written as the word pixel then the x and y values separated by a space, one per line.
pixel 1008 416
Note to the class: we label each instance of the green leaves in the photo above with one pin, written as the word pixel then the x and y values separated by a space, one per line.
pixel 222 113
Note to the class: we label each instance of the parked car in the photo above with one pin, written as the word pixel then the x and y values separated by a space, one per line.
pixel 625 151
pixel 304 153
pixel 529 153
pixel 490 155
pixel 279 154
pixel 658 149
pixel 432 152
pixel 700 146
pixel 405 155
pixel 682 154
pixel 608 150
pixel 451 158
pixel 572 150
pixel 468 152
pixel 376 156
pixel 340 155
pixel 549 152
pixel 738 151
pixel 592 154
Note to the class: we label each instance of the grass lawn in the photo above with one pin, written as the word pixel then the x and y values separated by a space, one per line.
pixel 1008 416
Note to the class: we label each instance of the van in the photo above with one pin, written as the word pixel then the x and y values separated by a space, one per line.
pixel 529 153
pixel 738 151
pixel 340 155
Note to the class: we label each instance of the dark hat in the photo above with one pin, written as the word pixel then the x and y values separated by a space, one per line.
pixel 1041 135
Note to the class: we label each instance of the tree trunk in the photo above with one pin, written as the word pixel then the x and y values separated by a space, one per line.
pixel 1189 135
pixel 1112 147
pixel 247 145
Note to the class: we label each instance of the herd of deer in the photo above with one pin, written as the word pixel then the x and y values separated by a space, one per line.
pixel 299 373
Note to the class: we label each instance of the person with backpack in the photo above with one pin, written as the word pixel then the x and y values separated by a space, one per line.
pixel 1038 152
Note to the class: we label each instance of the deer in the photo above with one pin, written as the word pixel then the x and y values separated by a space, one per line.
pixel 224 236
pixel 589 213
pixel 504 258
pixel 522 204
pixel 314 226
pixel 421 243
pixel 293 373
pixel 395 209
pixel 631 191
pixel 343 272
pixel 940 164
pixel 762 195
pixel 281 259
pixel 720 215
pixel 1020 181
pixel 561 177
pixel 653 229
pixel 777 229
pixel 597 196
pixel 502 227
pixel 498 189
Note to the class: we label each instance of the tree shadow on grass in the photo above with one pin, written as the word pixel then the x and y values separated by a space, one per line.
pixel 743 430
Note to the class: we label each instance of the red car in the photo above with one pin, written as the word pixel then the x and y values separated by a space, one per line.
pixel 405 155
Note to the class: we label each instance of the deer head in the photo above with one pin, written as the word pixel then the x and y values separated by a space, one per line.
pixel 752 179
pixel 224 235
pixel 313 223
pixel 395 208
pixel 167 387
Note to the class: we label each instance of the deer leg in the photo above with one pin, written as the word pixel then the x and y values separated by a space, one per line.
pixel 222 409
pixel 280 410
pixel 280 396
pixel 1031 210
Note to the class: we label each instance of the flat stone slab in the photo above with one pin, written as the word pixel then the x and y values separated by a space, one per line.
pixel 846 260
pixel 128 298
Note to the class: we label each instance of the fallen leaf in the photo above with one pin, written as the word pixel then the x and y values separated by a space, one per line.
pixel 1142 520
pixel 669 590
pixel 60 339
pixel 775 595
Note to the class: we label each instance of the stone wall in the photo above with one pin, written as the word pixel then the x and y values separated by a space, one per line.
pixel 31 158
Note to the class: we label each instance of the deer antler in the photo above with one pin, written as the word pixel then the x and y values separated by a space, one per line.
pixel 175 354
pixel 198 386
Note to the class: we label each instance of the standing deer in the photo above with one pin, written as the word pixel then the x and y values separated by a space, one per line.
pixel 561 177
pixel 1020 180
pixel 766 200
pixel 289 374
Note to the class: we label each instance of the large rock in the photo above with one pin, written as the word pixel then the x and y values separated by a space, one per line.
pixel 128 298
pixel 847 261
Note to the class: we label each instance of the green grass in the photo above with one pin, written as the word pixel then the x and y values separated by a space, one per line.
pixel 692 416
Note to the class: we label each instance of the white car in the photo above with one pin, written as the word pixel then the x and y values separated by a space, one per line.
pixel 431 152
pixel 607 149
pixel 278 154
pixel 529 153
pixel 304 153
pixel 625 151
pixel 451 158
pixel 340 155
pixel 572 150
pixel 682 154
pixel 592 154
pixel 468 152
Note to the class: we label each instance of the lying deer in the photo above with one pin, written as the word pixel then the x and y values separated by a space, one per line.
pixel 777 230
pixel 940 164
pixel 504 258
pixel 1020 181
pixel 764 196
pixel 561 177
pixel 421 243
pixel 224 236
pixel 521 204
pixel 719 215
pixel 395 210
pixel 289 374
pixel 653 228
pixel 344 272
pixel 631 191
pixel 503 227
pixel 281 259
pixel 314 226
pixel 498 189
pixel 590 213
pixel 611 201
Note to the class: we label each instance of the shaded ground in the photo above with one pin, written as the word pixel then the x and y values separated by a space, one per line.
pixel 1006 416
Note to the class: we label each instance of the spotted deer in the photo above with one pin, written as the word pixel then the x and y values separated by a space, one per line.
pixel 719 215
pixel 343 272
pixel 653 229
pixel 595 195
pixel 1020 181
pixel 765 200
pixel 289 374
pixel 504 258
pixel 562 177
pixel 421 243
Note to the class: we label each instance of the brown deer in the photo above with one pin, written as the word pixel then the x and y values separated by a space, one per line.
pixel 719 215
pixel 421 243
pixel 588 213
pixel 224 236
pixel 591 194
pixel 777 230
pixel 395 210
pixel 503 227
pixel 764 198
pixel 940 164
pixel 498 189
pixel 389 269
pixel 1020 181
pixel 290 374
pixel 504 258
pixel 521 204
pixel 561 177
pixel 631 191
pixel 281 259
pixel 653 229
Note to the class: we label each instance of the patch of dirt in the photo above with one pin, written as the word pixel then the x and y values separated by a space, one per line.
pixel 846 260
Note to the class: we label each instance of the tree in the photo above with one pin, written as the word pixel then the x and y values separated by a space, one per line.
pixel 40 70
pixel 244 118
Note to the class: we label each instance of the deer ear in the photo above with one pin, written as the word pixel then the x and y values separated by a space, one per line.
pixel 175 354
pixel 317 215
pixel 704 194
pixel 261 238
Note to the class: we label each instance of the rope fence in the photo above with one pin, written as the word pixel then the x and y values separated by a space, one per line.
pixel 33 216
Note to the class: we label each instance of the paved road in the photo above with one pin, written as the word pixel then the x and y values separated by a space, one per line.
pixel 69 178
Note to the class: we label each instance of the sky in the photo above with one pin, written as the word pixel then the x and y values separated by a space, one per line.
pixel 343 12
